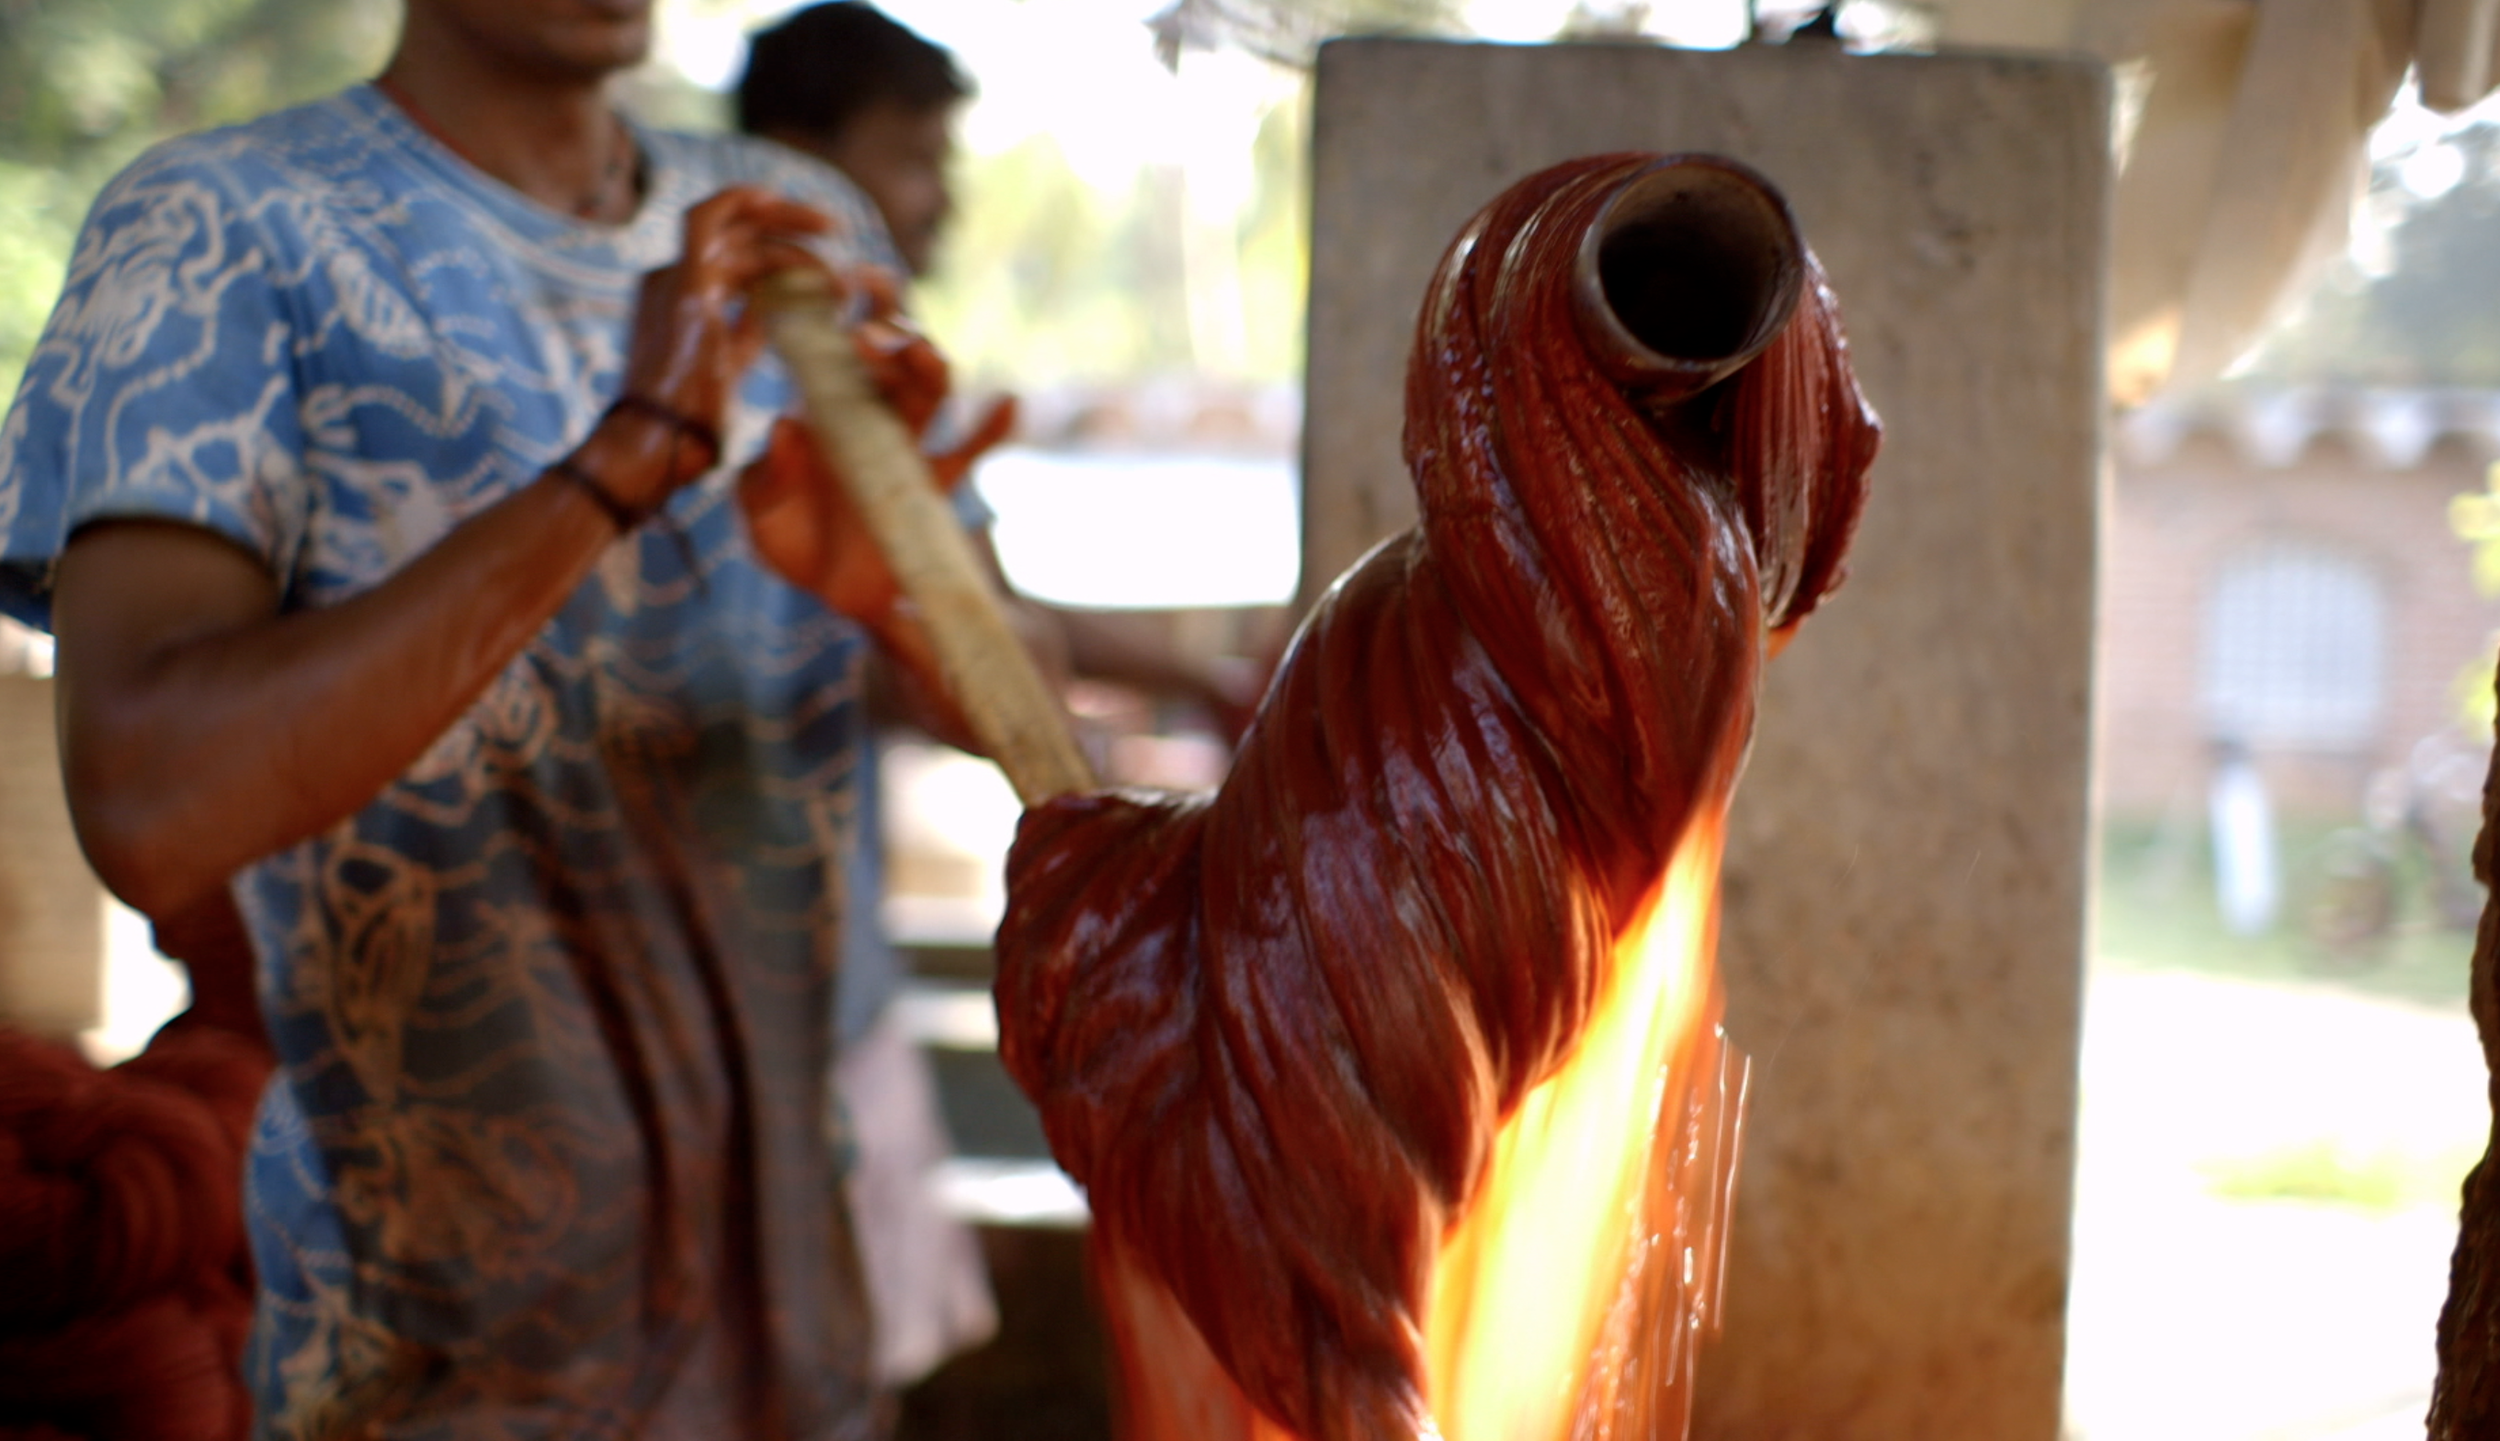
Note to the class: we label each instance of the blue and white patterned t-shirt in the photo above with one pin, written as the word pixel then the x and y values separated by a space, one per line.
pixel 546 1156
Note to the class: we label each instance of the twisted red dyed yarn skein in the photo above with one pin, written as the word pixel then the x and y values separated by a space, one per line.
pixel 129 1287
pixel 1273 1030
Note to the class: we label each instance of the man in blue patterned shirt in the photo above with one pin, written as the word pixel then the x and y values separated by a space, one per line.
pixel 377 473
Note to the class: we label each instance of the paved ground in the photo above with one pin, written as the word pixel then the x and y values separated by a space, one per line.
pixel 2202 1315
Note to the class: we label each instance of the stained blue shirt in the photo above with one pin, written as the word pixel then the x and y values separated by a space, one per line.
pixel 546 1154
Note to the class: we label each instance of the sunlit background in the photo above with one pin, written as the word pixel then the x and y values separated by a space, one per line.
pixel 2281 1083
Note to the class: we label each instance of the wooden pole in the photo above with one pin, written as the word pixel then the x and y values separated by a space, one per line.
pixel 1014 714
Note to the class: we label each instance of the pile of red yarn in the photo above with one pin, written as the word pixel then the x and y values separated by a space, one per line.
pixel 129 1286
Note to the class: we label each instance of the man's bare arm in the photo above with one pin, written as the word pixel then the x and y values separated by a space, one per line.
pixel 201 730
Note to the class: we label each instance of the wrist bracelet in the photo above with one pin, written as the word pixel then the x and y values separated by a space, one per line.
pixel 625 517
pixel 686 426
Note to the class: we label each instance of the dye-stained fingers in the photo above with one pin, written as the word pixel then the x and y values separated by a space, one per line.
pixel 804 526
pixel 913 378
pixel 798 509
pixel 948 467
pixel 906 369
pixel 911 374
pixel 694 335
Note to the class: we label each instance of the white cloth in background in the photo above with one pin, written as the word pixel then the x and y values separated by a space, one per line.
pixel 2243 135
pixel 2248 881
pixel 927 1285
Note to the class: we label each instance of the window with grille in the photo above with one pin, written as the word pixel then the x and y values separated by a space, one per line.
pixel 2295 650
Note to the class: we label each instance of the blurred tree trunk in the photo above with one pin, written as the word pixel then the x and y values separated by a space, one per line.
pixel 2465 1404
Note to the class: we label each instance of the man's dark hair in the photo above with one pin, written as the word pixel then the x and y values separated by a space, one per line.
pixel 814 71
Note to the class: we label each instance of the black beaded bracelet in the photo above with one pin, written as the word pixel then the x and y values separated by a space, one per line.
pixel 700 432
pixel 625 517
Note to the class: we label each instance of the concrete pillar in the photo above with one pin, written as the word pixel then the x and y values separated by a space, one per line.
pixel 1907 882
pixel 51 908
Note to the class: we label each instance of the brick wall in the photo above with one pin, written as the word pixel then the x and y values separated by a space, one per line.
pixel 2173 527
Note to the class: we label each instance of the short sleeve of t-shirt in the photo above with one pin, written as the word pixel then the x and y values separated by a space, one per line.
pixel 164 385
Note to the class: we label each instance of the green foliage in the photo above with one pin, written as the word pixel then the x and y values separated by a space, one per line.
pixel 43 207
pixel 2155 911
pixel 2427 311
pixel 85 85
pixel 1276 244
pixel 89 81
pixel 1044 279
pixel 2325 1172
pixel 2476 520
pixel 2471 692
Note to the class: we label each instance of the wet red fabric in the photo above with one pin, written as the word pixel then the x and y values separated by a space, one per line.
pixel 1273 1030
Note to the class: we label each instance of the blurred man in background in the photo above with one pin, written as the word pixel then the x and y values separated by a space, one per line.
pixel 846 84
